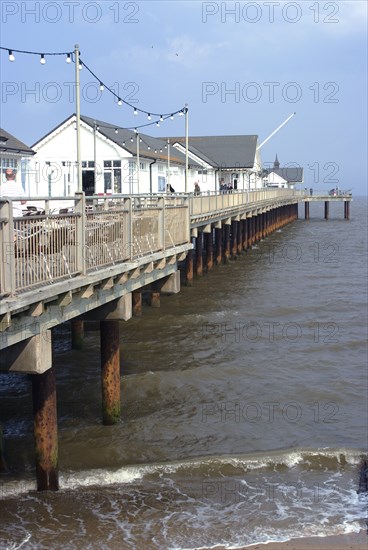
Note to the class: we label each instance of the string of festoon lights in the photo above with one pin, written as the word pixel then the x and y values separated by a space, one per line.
pixel 70 57
pixel 74 56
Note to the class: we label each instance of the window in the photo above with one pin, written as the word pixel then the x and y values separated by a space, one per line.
pixel 91 164
pixel 8 163
pixel 143 166
pixel 116 163
pixel 107 163
pixel 160 168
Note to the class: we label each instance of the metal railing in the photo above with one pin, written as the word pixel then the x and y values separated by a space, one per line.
pixel 50 243
pixel 213 202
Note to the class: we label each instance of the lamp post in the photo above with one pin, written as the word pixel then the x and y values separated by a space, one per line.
pixel 168 164
pixel 77 106
pixel 186 147
pixel 138 163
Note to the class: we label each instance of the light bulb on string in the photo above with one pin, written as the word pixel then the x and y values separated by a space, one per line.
pixel 135 112
pixel 11 56
pixel 140 140
pixel 149 116
pixel 68 59
pixel 172 117
pixel 149 148
pixel 161 118
pixel 120 102
pixel 116 130
pixel 131 139
pixel 157 124
pixel 160 150
pixel 123 143
pixel 102 87
pixel 42 60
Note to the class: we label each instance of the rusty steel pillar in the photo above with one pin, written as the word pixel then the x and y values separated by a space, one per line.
pixel 218 241
pixel 77 333
pixel 253 222
pixel 234 239
pixel 45 430
pixel 155 297
pixel 347 210
pixel 137 303
pixel 327 209
pixel 199 254
pixel 209 250
pixel 245 235
pixel 240 237
pixel 110 371
pixel 296 211
pixel 189 268
pixel 227 247
pixel 264 231
pixel 258 230
pixel 3 466
pixel 306 210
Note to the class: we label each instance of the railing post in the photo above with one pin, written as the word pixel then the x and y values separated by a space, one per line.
pixel 162 221
pixel 128 242
pixel 80 237
pixel 7 279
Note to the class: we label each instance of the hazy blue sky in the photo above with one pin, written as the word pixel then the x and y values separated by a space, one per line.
pixel 243 68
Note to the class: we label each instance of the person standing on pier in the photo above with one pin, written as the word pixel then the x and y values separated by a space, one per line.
pixel 11 188
pixel 197 189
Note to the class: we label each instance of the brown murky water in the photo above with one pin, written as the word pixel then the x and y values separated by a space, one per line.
pixel 243 409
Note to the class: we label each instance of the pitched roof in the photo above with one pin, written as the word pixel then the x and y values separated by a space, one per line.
pixel 123 139
pixel 223 151
pixel 291 175
pixel 10 144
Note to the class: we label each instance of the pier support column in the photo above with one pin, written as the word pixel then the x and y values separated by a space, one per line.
pixel 199 254
pixel 234 239
pixel 240 237
pixel 245 234
pixel 209 250
pixel 3 467
pixel 327 210
pixel 306 210
pixel 347 210
pixel 77 333
pixel 155 297
pixel 45 430
pixel 227 252
pixel 189 268
pixel 137 303
pixel 110 371
pixel 218 241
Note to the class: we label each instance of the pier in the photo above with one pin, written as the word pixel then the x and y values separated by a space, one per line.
pixel 93 259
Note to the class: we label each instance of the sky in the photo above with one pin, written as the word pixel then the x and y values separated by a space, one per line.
pixel 242 68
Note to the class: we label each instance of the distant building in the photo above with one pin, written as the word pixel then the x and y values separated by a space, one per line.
pixel 286 177
pixel 16 155
pixel 227 159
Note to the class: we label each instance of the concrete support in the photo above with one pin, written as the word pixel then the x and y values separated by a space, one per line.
pixel 306 210
pixel 209 250
pixel 77 333
pixel 327 210
pixel 110 371
pixel 170 284
pixel 189 268
pixel 45 430
pixel 137 303
pixel 234 239
pixel 199 255
pixel 227 246
pixel 218 241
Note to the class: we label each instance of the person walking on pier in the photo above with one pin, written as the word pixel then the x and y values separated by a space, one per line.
pixel 197 189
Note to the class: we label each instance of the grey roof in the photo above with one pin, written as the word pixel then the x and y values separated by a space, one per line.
pixel 10 144
pixel 291 175
pixel 123 139
pixel 223 151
